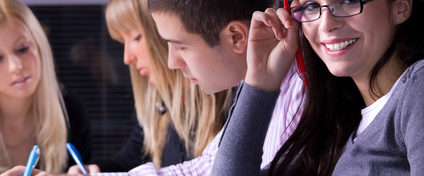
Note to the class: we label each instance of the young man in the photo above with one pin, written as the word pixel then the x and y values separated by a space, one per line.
pixel 207 41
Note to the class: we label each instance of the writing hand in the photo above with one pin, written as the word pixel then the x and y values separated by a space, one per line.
pixel 91 168
pixel 19 171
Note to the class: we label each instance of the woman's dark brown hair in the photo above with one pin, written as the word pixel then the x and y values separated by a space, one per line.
pixel 333 105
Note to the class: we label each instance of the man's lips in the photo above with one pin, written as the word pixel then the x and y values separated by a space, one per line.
pixel 193 80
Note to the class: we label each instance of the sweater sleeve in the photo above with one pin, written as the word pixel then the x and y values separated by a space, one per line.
pixel 412 121
pixel 240 151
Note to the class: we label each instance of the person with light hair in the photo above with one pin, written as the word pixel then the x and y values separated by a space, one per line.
pixel 32 110
pixel 177 120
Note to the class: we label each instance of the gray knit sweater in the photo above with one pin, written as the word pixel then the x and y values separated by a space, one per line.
pixel 393 144
pixel 240 151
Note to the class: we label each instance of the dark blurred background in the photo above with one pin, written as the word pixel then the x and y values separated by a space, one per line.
pixel 89 63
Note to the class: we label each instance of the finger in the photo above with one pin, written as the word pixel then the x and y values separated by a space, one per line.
pixel 92 168
pixel 275 23
pixel 295 3
pixel 41 174
pixel 36 172
pixel 289 24
pixel 260 18
pixel 15 171
pixel 285 17
pixel 74 170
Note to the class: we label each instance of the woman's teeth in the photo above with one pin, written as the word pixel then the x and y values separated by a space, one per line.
pixel 339 46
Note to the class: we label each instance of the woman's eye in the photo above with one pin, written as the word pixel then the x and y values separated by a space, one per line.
pixel 138 37
pixel 348 1
pixel 23 49
pixel 311 6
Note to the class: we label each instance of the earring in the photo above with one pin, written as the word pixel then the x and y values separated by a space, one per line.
pixel 160 107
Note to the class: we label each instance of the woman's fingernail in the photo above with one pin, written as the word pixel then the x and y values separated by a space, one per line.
pixel 288 24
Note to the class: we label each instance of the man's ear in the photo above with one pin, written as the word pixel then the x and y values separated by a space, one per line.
pixel 235 34
pixel 402 10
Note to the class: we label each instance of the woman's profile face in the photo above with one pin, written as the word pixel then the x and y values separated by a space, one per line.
pixel 20 69
pixel 137 53
pixel 351 46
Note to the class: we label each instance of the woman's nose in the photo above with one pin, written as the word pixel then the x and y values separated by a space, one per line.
pixel 328 22
pixel 15 64
pixel 129 57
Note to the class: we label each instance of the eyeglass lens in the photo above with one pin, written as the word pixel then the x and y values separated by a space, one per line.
pixel 339 8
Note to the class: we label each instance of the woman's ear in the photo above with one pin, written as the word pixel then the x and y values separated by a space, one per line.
pixel 402 10
pixel 235 34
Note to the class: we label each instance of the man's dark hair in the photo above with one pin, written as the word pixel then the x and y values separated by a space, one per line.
pixel 208 17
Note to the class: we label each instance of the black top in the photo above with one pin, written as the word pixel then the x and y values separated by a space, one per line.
pixel 78 127
pixel 132 155
pixel 174 151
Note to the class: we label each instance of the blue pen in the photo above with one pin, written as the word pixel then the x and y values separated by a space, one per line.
pixel 76 156
pixel 32 160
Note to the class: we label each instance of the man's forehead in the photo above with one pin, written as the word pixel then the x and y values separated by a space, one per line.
pixel 169 26
pixel 172 29
pixel 177 36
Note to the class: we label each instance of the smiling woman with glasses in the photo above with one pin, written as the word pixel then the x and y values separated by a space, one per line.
pixel 363 113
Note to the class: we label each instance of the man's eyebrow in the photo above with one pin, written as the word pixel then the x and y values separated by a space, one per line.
pixel 173 41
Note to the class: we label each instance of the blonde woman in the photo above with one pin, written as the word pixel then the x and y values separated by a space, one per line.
pixel 177 119
pixel 31 106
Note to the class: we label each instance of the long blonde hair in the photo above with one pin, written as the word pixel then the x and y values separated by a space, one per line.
pixel 196 116
pixel 47 106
